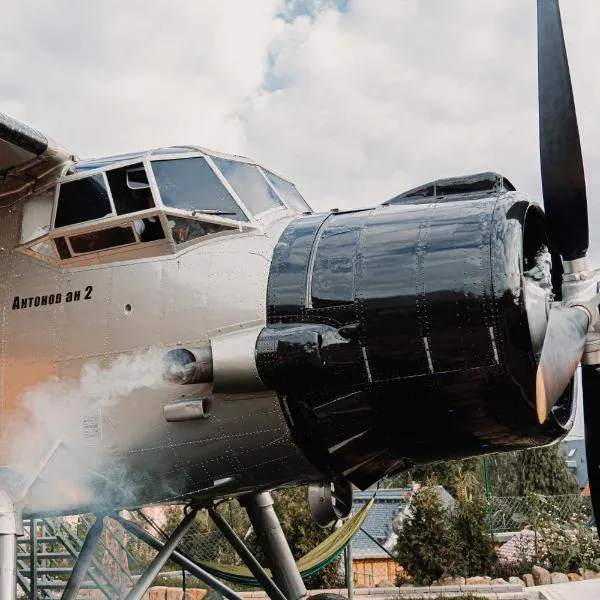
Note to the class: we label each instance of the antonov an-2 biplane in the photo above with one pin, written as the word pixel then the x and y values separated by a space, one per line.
pixel 179 326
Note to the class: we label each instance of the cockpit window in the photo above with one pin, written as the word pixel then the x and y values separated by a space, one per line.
pixel 191 184
pixel 288 192
pixel 252 188
pixel 130 189
pixel 184 230
pixel 103 239
pixel 82 200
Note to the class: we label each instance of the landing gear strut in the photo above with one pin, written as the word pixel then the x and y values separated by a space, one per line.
pixel 11 526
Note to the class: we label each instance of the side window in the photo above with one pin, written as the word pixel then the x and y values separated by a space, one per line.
pixel 103 239
pixel 288 192
pixel 251 187
pixel 82 200
pixel 130 189
pixel 184 230
pixel 191 184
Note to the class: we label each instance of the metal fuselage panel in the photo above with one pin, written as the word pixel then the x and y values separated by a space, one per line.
pixel 63 383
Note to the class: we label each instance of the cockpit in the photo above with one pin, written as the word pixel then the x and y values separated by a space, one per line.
pixel 151 203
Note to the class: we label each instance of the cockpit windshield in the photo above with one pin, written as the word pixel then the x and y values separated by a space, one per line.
pixel 288 192
pixel 249 184
pixel 191 184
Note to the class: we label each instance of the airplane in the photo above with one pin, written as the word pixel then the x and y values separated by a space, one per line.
pixel 178 325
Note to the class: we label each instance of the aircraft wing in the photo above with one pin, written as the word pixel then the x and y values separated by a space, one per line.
pixel 29 161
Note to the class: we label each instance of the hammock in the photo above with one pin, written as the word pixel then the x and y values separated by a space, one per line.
pixel 312 562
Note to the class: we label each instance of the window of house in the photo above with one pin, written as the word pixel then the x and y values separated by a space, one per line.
pixel 251 187
pixel 288 192
pixel 82 200
pixel 191 184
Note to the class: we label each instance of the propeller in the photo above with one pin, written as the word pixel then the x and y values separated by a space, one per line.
pixel 561 353
pixel 565 203
pixel 563 183
pixel 563 180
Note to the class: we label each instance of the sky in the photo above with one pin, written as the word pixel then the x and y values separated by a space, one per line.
pixel 353 100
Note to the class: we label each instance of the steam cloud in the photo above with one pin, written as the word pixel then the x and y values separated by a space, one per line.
pixel 67 414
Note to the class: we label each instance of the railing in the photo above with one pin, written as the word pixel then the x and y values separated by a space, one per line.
pixel 48 550
pixel 513 513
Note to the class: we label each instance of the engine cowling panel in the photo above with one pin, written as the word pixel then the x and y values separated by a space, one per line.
pixel 400 334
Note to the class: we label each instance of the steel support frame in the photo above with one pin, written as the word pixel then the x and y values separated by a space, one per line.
pixel 84 560
pixel 274 544
pixel 162 557
pixel 177 557
pixel 244 553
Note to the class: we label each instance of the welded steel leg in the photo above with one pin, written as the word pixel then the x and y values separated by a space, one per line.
pixel 84 560
pixel 180 559
pixel 161 558
pixel 11 526
pixel 268 585
pixel 272 540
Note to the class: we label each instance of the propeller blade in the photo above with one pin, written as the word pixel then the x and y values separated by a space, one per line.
pixel 590 378
pixel 563 180
pixel 561 353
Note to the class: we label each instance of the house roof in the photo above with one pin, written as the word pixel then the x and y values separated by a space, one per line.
pixel 575 458
pixel 388 504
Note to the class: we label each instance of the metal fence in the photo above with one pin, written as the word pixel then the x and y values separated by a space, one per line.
pixel 513 513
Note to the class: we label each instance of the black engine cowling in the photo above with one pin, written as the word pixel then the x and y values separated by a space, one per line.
pixel 400 334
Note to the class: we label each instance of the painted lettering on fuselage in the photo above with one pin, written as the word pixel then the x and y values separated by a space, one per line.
pixel 22 302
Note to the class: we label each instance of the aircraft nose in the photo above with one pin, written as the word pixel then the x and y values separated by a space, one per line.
pixel 399 334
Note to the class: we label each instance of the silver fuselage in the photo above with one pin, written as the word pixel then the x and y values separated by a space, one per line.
pixel 123 452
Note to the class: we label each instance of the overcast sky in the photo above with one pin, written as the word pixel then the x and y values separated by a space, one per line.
pixel 354 100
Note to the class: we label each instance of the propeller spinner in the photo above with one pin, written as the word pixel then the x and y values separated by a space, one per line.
pixel 570 336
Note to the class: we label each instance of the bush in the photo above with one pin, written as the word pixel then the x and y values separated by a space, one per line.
pixel 565 544
pixel 437 542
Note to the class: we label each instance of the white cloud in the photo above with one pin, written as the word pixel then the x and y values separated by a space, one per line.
pixel 372 100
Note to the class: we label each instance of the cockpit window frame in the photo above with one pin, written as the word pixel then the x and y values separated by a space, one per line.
pixel 217 173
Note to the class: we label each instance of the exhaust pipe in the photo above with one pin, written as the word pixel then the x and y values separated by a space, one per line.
pixel 229 362
pixel 183 366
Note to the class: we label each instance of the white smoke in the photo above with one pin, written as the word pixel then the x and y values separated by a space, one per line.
pixel 62 419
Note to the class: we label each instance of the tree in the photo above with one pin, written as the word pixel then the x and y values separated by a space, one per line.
pixel 537 470
pixel 427 546
pixel 445 473
pixel 543 471
pixel 476 555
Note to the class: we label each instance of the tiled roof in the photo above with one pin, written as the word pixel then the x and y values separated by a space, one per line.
pixel 388 504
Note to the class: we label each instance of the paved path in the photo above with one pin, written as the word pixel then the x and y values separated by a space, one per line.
pixel 580 590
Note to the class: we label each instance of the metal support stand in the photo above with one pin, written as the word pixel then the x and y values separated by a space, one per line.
pixel 84 560
pixel 238 545
pixel 161 558
pixel 33 559
pixel 11 526
pixel 180 559
pixel 277 551
pixel 348 567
